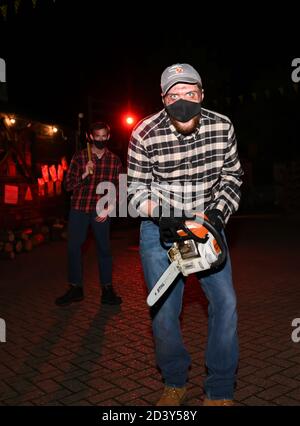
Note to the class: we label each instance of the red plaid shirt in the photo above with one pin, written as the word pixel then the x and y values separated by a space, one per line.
pixel 107 168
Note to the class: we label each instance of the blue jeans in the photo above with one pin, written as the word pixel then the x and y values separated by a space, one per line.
pixel 77 233
pixel 221 356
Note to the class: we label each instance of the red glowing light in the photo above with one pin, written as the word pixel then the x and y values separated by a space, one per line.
pixel 129 120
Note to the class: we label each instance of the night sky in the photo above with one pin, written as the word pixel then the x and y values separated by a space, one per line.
pixel 61 53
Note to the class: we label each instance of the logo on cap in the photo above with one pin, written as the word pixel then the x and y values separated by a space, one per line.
pixel 178 70
pixel 179 73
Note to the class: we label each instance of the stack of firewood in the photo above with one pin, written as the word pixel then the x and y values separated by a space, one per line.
pixel 7 242
pixel 13 242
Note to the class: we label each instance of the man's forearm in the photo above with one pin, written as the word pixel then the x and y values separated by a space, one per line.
pixel 84 175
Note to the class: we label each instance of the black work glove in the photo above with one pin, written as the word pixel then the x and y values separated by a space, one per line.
pixel 169 222
pixel 216 218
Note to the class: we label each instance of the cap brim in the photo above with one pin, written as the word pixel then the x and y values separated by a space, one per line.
pixel 183 80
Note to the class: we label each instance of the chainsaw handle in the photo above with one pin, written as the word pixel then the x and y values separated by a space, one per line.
pixel 215 234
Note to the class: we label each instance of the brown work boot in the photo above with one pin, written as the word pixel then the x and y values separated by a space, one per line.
pixel 172 396
pixel 218 402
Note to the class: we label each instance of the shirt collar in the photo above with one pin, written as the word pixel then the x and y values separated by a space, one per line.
pixel 103 155
pixel 176 133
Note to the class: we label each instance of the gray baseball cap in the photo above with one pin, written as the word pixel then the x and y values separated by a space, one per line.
pixel 179 73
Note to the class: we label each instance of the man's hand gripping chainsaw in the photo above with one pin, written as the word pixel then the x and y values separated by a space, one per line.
pixel 198 246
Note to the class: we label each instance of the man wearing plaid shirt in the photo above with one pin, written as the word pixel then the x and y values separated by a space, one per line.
pixel 185 158
pixel 82 178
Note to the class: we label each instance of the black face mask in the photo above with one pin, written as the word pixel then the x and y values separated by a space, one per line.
pixel 100 144
pixel 183 110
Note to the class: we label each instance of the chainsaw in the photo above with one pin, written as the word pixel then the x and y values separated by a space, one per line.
pixel 198 247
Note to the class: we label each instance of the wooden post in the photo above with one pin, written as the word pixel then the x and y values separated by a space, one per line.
pixel 89 155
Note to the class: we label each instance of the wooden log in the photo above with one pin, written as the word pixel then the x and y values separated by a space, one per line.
pixel 27 245
pixel 4 255
pixel 7 236
pixel 8 247
pixel 18 245
pixel 56 231
pixel 45 229
pixel 23 234
pixel 64 235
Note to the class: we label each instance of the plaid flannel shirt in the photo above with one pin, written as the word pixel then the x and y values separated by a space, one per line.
pixel 107 168
pixel 196 172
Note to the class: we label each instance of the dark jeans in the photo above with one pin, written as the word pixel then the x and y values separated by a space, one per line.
pixel 77 232
pixel 221 354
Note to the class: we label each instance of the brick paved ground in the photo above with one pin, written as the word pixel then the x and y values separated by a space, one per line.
pixel 88 354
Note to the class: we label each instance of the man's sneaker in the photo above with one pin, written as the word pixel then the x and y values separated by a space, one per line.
pixel 109 297
pixel 218 402
pixel 172 396
pixel 74 294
